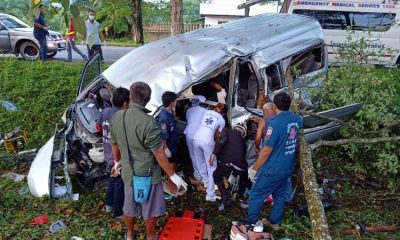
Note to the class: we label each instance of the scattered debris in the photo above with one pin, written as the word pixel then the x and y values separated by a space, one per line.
pixel 360 229
pixel 9 106
pixel 14 141
pixel 39 220
pixel 57 226
pixel 303 210
pixel 13 176
pixel 23 190
pixel 77 238
pixel 60 191
pixel 369 182
pixel 75 197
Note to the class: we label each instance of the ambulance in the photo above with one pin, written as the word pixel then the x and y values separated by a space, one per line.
pixel 373 22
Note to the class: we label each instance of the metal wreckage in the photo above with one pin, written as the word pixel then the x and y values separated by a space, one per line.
pixel 251 58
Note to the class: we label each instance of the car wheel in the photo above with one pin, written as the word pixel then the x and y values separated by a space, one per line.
pixel 51 54
pixel 29 51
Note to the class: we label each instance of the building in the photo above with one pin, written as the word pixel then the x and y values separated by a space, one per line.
pixel 220 11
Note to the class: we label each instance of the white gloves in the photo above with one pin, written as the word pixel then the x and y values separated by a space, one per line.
pixel 252 174
pixel 116 169
pixel 178 181
pixel 167 152
pixel 221 95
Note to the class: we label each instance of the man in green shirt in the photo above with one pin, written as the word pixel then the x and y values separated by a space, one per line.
pixel 143 136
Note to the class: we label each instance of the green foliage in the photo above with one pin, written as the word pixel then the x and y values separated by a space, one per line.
pixel 156 12
pixel 41 93
pixel 379 90
pixel 116 15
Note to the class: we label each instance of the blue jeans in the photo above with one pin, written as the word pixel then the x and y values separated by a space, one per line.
pixel 72 46
pixel 115 195
pixel 42 46
pixel 266 184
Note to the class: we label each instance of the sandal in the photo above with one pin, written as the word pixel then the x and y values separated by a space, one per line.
pixel 133 235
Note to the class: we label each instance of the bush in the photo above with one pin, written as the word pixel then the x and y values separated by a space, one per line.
pixel 378 89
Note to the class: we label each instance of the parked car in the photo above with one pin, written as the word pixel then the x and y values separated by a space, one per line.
pixel 252 58
pixel 17 37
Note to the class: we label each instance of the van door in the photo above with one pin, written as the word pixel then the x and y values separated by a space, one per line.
pixel 246 84
pixel 5 43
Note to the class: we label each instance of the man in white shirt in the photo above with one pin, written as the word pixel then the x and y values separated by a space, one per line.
pixel 93 36
pixel 203 144
pixel 193 117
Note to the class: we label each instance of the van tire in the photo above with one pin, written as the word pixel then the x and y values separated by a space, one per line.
pixel 29 50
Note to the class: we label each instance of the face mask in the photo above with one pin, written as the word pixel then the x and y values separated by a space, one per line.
pixel 91 17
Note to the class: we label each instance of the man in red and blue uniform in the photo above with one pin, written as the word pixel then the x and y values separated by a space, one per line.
pixel 276 161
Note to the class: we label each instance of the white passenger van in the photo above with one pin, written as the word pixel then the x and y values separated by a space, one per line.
pixel 374 20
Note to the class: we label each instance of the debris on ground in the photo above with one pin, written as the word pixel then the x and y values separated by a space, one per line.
pixel 76 238
pixel 60 191
pixel 57 226
pixel 39 220
pixel 303 210
pixel 23 190
pixel 13 176
pixel 9 106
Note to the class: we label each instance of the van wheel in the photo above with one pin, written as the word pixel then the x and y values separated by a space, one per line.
pixel 29 51
pixel 51 54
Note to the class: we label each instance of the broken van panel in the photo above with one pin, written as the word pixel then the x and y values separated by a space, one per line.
pixel 252 59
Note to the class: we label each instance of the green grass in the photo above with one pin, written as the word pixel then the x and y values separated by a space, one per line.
pixel 43 91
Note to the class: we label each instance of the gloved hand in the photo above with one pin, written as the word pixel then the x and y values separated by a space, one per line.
pixel 221 95
pixel 178 181
pixel 167 152
pixel 116 169
pixel 252 174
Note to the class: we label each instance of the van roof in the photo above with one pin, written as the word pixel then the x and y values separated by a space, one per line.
pixel 175 63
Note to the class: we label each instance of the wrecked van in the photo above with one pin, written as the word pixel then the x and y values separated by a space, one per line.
pixel 251 58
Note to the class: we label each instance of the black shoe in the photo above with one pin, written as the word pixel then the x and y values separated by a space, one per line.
pixel 227 202
pixel 68 60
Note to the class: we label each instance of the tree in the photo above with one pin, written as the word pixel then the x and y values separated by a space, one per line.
pixel 176 17
pixel 137 27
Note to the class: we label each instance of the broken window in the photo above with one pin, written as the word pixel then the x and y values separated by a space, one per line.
pixel 247 87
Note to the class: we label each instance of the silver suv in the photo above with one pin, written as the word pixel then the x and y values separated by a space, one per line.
pixel 17 37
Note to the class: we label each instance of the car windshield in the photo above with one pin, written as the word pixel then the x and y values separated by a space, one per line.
pixel 13 23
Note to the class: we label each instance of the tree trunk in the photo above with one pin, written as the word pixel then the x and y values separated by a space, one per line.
pixel 137 27
pixel 320 228
pixel 176 17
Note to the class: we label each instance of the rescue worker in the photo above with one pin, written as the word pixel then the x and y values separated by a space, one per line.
pixel 193 118
pixel 71 36
pixel 231 152
pixel 203 144
pixel 276 161
pixel 115 186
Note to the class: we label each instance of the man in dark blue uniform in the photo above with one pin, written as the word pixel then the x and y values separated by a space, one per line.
pixel 40 31
pixel 276 161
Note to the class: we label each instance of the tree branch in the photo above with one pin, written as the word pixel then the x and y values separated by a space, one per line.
pixel 355 140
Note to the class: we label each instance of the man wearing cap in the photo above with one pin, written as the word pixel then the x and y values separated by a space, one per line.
pixel 230 150
pixel 275 162
pixel 203 144
pixel 193 117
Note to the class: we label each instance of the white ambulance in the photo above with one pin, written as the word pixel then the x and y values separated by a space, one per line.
pixel 374 21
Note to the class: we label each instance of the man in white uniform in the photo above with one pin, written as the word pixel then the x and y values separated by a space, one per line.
pixel 193 117
pixel 204 142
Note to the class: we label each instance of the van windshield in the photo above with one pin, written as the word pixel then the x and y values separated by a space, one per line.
pixel 13 23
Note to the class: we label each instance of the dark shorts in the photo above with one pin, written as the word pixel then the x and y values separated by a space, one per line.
pixel 154 206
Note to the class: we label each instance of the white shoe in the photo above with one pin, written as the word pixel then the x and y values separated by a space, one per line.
pixel 213 198
pixel 108 209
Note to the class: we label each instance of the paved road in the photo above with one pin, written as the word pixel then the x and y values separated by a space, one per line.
pixel 110 53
